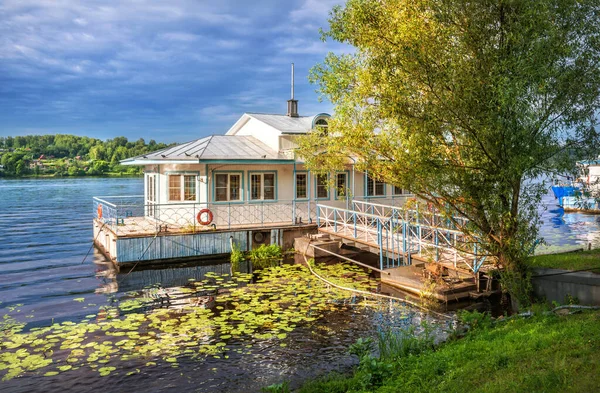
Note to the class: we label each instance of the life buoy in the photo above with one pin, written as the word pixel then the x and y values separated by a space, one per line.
pixel 204 222
pixel 99 211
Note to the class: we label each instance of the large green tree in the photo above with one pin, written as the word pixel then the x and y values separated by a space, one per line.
pixel 465 103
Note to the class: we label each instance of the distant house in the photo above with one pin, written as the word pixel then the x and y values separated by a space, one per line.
pixel 37 163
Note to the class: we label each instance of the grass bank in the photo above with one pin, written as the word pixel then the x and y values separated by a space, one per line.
pixel 577 260
pixel 544 353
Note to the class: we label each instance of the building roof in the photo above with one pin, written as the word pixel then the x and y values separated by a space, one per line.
pixel 283 123
pixel 286 124
pixel 216 147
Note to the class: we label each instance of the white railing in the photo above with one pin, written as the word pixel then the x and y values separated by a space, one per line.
pixel 131 215
pixel 399 233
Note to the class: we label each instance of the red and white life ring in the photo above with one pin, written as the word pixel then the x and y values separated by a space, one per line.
pixel 99 211
pixel 207 221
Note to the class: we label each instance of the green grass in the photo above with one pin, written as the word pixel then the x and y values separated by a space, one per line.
pixel 569 261
pixel 540 354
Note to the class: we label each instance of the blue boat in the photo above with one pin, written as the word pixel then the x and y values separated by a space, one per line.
pixel 574 198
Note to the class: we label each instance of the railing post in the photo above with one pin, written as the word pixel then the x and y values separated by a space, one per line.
pixel 455 250
pixel 380 242
pixel 419 228
pixel 229 215
pixel 354 216
pixel 475 267
pixel 318 211
pixel 404 240
pixel 294 211
pixel 437 249
pixel 335 214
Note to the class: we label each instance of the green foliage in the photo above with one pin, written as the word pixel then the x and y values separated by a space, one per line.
pixel 568 261
pixel 542 353
pixel 362 347
pixel 283 387
pixel 236 258
pixel 331 383
pixel 475 320
pixel 69 155
pixel 463 103
pixel 394 345
pixel 517 282
pixel 265 256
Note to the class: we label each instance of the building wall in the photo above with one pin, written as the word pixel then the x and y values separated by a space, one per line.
pixel 261 131
pixel 285 208
pixel 285 184
pixel 594 176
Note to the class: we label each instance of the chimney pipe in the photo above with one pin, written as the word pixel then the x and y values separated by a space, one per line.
pixel 292 108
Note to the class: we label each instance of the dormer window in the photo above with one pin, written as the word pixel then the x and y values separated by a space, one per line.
pixel 322 125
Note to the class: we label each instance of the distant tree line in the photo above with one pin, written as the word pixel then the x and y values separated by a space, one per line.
pixel 69 155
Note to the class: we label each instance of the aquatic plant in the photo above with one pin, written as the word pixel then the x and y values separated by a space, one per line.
pixel 265 256
pixel 236 258
pixel 396 344
pixel 195 321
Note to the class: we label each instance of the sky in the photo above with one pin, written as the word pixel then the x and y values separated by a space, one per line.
pixel 171 71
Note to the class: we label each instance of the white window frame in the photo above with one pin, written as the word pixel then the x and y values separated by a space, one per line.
pixel 372 193
pixel 402 192
pixel 182 183
pixel 326 185
pixel 346 185
pixel 261 175
pixel 240 188
pixel 306 185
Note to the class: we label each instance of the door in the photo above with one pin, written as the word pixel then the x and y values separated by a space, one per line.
pixel 151 208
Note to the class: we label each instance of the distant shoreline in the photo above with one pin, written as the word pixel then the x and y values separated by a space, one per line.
pixel 44 177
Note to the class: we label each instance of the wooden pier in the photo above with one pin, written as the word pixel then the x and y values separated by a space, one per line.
pixel 415 248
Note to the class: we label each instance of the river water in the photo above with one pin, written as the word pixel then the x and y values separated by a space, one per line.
pixel 50 273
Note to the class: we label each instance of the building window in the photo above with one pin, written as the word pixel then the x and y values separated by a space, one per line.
pixel 322 189
pixel 400 191
pixel 301 185
pixel 375 187
pixel 341 185
pixel 228 187
pixel 182 187
pixel 262 186
pixel 322 125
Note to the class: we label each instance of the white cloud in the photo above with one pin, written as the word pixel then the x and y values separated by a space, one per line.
pixel 313 9
pixel 181 63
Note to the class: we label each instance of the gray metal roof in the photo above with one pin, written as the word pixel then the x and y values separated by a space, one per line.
pixel 216 147
pixel 286 124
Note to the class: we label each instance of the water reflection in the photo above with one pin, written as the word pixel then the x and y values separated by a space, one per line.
pixel 563 231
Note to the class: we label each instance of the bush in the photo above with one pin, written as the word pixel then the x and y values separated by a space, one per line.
pixel 265 256
pixel 237 257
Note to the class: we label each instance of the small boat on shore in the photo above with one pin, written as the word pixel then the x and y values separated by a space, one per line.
pixel 582 194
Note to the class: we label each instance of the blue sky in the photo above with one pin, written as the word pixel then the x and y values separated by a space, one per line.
pixel 171 71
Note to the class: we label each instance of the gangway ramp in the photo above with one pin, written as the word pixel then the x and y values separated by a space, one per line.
pixel 401 235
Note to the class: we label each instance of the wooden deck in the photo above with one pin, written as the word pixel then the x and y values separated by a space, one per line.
pixel 393 249
pixel 144 227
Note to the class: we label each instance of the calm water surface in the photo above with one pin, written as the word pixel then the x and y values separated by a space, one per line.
pixel 46 277
pixel 46 233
